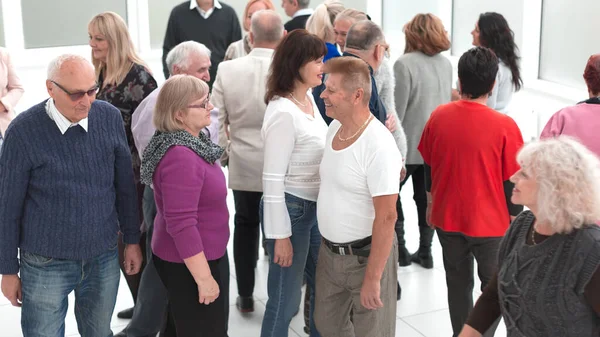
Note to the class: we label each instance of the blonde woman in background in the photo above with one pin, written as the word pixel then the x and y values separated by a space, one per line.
pixel 423 82
pixel 11 91
pixel 242 47
pixel 124 80
pixel 320 23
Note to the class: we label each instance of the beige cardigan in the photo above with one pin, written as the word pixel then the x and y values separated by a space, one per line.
pixel 11 89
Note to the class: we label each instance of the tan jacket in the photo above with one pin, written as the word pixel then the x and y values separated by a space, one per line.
pixel 239 94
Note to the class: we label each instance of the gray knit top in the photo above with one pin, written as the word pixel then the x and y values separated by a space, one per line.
pixel 541 287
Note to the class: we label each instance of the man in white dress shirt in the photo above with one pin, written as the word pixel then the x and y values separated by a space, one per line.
pixel 239 94
pixel 356 211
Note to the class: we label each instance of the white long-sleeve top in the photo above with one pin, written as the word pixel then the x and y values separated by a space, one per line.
pixel 293 149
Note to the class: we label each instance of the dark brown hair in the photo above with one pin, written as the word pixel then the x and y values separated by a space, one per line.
pixel 295 50
pixel 592 74
pixel 426 33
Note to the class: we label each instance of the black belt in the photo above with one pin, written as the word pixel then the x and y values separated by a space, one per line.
pixel 360 247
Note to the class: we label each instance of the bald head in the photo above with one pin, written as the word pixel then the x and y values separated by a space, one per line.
pixel 266 28
pixel 69 65
pixel 364 35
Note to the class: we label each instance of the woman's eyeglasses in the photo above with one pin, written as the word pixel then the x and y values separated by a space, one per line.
pixel 75 96
pixel 203 105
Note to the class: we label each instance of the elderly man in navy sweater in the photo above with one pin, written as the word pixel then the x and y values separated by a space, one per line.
pixel 66 190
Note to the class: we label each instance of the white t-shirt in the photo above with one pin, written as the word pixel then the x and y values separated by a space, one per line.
pixel 351 177
pixel 293 148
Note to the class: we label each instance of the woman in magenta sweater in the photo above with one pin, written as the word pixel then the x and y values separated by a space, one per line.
pixel 581 121
pixel 191 226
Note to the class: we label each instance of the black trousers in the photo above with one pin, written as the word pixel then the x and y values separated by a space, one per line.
pixel 190 317
pixel 459 251
pixel 246 239
pixel 417 172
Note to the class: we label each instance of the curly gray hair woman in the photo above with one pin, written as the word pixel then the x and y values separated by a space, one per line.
pixel 548 281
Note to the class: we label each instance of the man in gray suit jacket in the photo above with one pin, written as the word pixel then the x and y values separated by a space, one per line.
pixel 239 94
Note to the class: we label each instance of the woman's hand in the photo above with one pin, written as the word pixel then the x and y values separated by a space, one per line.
pixel 208 289
pixel 284 253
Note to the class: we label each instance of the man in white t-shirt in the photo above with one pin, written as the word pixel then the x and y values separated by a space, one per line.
pixel 356 211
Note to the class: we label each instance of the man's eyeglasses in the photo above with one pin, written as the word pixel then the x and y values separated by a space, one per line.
pixel 203 105
pixel 386 48
pixel 75 96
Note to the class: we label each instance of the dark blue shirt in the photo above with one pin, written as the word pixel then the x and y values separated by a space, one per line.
pixel 375 104
pixel 65 196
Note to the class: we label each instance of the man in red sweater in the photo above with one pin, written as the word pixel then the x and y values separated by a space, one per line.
pixel 470 153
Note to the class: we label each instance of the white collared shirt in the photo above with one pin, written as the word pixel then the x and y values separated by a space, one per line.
pixel 61 121
pixel 304 11
pixel 205 14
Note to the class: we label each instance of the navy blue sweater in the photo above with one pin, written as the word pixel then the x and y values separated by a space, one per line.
pixel 64 196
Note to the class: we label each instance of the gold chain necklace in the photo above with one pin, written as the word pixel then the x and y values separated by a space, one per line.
pixel 356 133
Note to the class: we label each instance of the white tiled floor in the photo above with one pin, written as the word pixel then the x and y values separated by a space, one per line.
pixel 422 312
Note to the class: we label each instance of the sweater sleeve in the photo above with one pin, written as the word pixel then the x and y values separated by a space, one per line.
pixel 181 180
pixel 279 140
pixel 554 127
pixel 127 206
pixel 386 82
pixel 15 88
pixel 513 141
pixel 402 89
pixel 15 168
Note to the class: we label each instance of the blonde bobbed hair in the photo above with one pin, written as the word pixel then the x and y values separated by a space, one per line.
pixel 174 96
pixel 568 179
pixel 121 53
pixel 321 21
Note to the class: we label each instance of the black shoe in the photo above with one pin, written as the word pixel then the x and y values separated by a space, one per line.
pixel 403 256
pixel 245 304
pixel 423 258
pixel 125 314
pixel 123 333
pixel 399 294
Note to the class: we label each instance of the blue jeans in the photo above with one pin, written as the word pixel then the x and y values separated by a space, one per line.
pixel 285 284
pixel 47 282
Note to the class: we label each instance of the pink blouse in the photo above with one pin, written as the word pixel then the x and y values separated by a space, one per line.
pixel 11 90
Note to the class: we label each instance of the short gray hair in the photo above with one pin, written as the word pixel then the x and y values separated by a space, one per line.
pixel 56 64
pixel 568 179
pixel 364 35
pixel 303 3
pixel 266 26
pixel 181 54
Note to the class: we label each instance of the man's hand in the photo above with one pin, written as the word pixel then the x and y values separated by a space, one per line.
pixel 370 294
pixel 284 252
pixel 390 123
pixel 133 259
pixel 402 174
pixel 11 289
pixel 428 216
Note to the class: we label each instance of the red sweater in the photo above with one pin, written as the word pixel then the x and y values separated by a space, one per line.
pixel 471 150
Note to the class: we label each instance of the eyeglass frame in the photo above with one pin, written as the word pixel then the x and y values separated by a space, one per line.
pixel 202 105
pixel 79 94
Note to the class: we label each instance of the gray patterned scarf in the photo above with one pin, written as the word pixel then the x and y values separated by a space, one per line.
pixel 162 141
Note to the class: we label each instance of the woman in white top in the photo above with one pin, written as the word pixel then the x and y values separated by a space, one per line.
pixel 294 139
pixel 492 31
pixel 242 47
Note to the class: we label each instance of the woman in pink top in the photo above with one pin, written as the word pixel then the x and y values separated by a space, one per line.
pixel 11 91
pixel 581 121
pixel 191 228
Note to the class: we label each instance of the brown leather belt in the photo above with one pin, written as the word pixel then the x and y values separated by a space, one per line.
pixel 360 247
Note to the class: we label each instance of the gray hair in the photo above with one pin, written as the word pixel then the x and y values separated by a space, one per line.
pixel 57 63
pixel 181 54
pixel 266 26
pixel 568 179
pixel 303 3
pixel 364 35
